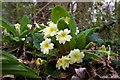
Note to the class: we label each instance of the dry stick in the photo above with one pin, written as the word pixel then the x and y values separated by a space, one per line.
pixel 43 7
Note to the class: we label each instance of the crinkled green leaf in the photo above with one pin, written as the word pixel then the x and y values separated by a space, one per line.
pixel 37 39
pixel 72 25
pixel 62 25
pixel 73 43
pixel 58 12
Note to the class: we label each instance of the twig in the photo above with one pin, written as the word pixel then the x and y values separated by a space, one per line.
pixel 43 7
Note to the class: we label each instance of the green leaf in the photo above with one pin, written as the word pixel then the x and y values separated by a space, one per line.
pixel 83 36
pixel 58 12
pixel 37 39
pixel 25 20
pixel 9 27
pixel 10 65
pixel 50 70
pixel 106 53
pixel 116 63
pixel 72 25
pixel 10 39
pixel 92 55
pixel 73 43
pixel 24 33
pixel 62 25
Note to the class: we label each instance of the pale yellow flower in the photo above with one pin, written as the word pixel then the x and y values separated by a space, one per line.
pixel 103 47
pixel 63 62
pixel 17 26
pixel 38 61
pixel 37 25
pixel 46 46
pixel 76 56
pixel 51 30
pixel 63 36
pixel 29 26
pixel 66 19
pixel 77 30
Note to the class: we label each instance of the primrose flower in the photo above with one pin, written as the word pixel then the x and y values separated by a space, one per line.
pixel 66 19
pixel 29 26
pixel 38 61
pixel 17 26
pixel 76 56
pixel 103 47
pixel 36 25
pixel 62 36
pixel 46 46
pixel 51 30
pixel 77 30
pixel 63 62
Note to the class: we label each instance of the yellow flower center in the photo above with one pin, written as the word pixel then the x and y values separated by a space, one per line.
pixel 63 35
pixel 60 61
pixel 76 56
pixel 46 45
pixel 51 29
